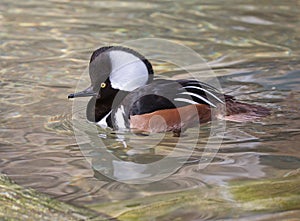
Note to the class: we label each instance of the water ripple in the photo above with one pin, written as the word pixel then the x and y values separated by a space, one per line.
pixel 252 47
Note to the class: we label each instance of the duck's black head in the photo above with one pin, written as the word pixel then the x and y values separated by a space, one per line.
pixel 113 70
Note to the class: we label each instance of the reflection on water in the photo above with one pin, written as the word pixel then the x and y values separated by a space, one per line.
pixel 45 46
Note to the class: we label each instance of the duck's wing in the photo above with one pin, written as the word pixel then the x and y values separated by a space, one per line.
pixel 196 92
pixel 165 94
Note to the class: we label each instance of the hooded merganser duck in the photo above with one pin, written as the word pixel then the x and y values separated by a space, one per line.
pixel 125 95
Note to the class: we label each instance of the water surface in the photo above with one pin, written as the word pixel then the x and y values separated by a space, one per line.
pixel 45 46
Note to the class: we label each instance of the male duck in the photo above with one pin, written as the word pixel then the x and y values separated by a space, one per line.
pixel 125 95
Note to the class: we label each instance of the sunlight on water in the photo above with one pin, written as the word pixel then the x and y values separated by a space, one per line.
pixel 253 47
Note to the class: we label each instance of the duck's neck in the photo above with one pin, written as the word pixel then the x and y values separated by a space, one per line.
pixel 97 109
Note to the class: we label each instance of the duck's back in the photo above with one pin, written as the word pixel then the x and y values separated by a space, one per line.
pixel 175 103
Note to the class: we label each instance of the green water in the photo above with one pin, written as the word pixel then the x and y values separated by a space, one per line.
pixel 253 46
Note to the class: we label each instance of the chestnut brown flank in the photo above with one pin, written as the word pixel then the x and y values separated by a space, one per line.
pixel 171 119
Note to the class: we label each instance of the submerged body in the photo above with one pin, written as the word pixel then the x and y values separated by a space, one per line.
pixel 124 95
pixel 178 119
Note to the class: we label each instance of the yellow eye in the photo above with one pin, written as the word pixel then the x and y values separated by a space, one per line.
pixel 103 85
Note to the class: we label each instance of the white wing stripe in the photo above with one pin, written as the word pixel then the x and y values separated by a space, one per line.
pixel 206 91
pixel 198 96
pixel 202 83
pixel 185 100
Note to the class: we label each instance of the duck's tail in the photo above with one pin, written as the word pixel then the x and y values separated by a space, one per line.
pixel 242 112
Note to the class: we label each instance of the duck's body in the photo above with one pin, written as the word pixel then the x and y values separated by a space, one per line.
pixel 126 96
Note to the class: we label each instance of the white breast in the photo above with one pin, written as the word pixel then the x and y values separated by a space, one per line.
pixel 128 71
pixel 119 118
pixel 102 123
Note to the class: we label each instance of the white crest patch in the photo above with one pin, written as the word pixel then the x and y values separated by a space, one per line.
pixel 128 71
